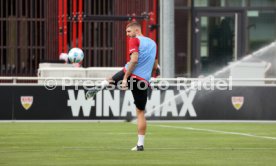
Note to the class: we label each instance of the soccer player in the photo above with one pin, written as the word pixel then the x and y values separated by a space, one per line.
pixel 136 75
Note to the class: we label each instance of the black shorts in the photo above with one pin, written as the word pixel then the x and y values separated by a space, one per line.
pixel 139 89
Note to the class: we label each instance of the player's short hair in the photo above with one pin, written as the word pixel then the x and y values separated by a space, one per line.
pixel 134 24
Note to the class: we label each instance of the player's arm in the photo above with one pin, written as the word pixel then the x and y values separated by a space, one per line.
pixel 131 64
pixel 133 52
pixel 155 68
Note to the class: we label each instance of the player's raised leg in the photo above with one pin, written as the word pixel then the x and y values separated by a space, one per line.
pixel 93 91
pixel 111 80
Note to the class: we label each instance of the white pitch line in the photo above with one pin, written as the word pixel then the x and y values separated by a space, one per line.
pixel 168 148
pixel 130 133
pixel 61 121
pixel 217 131
pixel 128 149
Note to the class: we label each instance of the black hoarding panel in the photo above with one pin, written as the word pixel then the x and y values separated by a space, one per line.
pixel 45 104
pixel 6 102
pixel 241 103
pixel 38 103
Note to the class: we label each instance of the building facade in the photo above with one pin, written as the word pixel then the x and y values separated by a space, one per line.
pixel 211 33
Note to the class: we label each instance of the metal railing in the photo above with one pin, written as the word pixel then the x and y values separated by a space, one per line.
pixel 154 81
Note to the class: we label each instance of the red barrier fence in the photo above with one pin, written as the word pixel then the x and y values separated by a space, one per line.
pixel 35 31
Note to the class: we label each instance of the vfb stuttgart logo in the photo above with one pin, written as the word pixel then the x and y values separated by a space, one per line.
pixel 26 101
pixel 237 102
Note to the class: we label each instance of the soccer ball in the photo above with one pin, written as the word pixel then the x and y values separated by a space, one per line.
pixel 75 55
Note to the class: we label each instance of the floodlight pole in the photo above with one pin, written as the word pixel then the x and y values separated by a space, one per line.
pixel 167 50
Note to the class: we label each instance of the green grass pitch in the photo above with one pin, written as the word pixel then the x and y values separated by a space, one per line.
pixel 85 143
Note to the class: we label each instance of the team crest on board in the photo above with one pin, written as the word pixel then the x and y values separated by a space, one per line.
pixel 26 101
pixel 237 102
